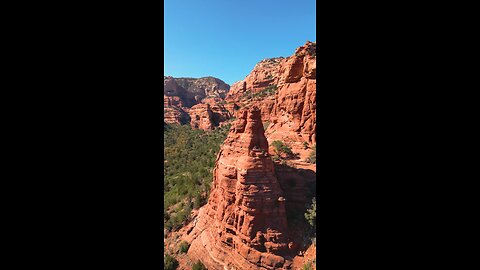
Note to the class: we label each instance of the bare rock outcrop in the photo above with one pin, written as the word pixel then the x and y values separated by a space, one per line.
pixel 201 117
pixel 192 91
pixel 244 224
pixel 290 104
pixel 294 113
pixel 173 110
pixel 198 101
pixel 263 74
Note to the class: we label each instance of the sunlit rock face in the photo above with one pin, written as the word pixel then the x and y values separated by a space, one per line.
pixel 195 101
pixel 244 224
pixel 291 110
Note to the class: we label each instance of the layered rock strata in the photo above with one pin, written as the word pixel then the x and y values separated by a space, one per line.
pixel 173 111
pixel 192 91
pixel 265 73
pixel 293 116
pixel 201 117
pixel 197 101
pixel 291 109
pixel 244 224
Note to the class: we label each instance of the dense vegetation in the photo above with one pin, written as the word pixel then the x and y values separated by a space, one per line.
pixel 199 266
pixel 170 262
pixel 189 158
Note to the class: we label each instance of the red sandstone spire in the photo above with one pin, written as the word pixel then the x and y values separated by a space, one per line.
pixel 244 223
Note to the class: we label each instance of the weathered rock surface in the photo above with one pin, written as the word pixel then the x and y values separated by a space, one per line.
pixel 207 117
pixel 249 221
pixel 244 224
pixel 173 111
pixel 263 74
pixel 192 91
pixel 293 116
pixel 290 110
pixel 197 101
pixel 201 117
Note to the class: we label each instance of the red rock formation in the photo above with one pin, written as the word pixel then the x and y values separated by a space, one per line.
pixel 220 114
pixel 237 90
pixel 263 74
pixel 192 91
pixel 291 110
pixel 294 113
pixel 201 117
pixel 197 99
pixel 231 108
pixel 173 111
pixel 244 224
pixel 207 117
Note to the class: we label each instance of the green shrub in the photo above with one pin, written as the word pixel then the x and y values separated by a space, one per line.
pixel 197 203
pixel 311 214
pixel 268 91
pixel 183 248
pixel 199 266
pixel 305 145
pixel 170 262
pixel 313 155
pixel 307 266
pixel 280 148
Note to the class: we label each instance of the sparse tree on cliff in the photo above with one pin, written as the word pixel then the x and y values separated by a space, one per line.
pixel 311 214
pixel 281 148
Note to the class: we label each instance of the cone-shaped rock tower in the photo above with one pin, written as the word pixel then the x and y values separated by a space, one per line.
pixel 244 224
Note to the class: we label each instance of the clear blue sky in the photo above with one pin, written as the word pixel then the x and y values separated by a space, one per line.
pixel 226 38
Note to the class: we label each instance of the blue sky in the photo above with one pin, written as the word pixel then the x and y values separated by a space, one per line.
pixel 226 38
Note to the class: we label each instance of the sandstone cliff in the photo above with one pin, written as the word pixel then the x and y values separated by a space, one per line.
pixel 244 224
pixel 196 101
pixel 263 74
pixel 192 91
pixel 285 91
pixel 254 215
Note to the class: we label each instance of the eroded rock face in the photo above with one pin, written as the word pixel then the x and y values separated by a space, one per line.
pixel 192 91
pixel 291 109
pixel 201 117
pixel 198 101
pixel 173 111
pixel 207 117
pixel 263 74
pixel 294 113
pixel 244 224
